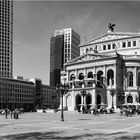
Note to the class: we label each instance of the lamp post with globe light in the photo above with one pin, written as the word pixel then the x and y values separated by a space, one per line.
pixel 63 89
pixel 112 93
pixel 83 94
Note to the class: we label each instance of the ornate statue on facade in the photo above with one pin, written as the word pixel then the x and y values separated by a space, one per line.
pixel 111 27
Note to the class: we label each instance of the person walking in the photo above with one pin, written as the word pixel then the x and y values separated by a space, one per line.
pixel 11 114
pixel 78 108
pixel 6 112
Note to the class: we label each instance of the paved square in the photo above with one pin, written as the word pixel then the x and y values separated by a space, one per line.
pixel 76 126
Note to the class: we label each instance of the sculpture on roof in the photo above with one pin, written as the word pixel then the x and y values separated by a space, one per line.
pixel 111 27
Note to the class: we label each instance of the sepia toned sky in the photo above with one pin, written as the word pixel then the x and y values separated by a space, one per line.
pixel 34 21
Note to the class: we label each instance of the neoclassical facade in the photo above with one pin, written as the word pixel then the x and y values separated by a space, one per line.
pixel 107 72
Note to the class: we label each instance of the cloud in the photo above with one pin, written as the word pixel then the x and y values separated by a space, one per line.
pixel 82 20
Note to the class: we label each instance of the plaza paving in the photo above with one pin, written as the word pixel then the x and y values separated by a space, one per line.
pixel 34 126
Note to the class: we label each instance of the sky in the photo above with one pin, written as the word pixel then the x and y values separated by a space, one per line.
pixel 35 21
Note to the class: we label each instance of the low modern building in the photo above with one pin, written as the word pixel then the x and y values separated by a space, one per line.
pixel 28 94
pixel 50 97
pixel 16 93
pixel 107 72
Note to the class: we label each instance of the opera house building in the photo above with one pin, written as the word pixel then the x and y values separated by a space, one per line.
pixel 107 72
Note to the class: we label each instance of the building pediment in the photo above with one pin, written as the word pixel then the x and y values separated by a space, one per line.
pixel 112 36
pixel 88 57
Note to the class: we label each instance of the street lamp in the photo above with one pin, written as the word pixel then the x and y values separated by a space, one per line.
pixel 63 89
pixel 83 94
pixel 112 93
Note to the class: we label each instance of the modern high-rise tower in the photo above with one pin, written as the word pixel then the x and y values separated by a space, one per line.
pixel 6 38
pixel 63 48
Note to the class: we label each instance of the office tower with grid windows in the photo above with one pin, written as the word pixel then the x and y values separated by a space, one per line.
pixel 63 48
pixel 6 38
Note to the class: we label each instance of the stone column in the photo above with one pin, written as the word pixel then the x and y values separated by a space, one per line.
pixel 64 101
pixel 85 73
pixel 84 100
pixel 67 73
pixel 73 101
pixel 93 92
pixel 105 77
pixel 135 77
pixel 124 80
pixel 76 74
pixel 81 99
pixel 114 69
pixel 94 70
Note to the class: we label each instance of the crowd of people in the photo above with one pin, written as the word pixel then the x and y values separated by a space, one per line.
pixel 95 110
pixel 13 114
pixel 129 110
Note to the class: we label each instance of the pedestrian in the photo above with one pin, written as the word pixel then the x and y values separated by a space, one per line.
pixel 6 112
pixel 11 114
pixel 83 109
pixel 79 109
pixel 121 111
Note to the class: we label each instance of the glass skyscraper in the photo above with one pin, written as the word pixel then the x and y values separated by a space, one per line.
pixel 6 38
pixel 63 48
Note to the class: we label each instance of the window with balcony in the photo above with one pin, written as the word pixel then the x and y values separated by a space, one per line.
pixel 90 75
pixel 139 79
pixel 100 79
pixel 130 79
pixel 129 99
pixel 110 77
pixel 81 76
pixel 72 77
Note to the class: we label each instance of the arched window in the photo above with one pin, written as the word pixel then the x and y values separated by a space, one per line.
pixel 72 77
pixel 99 79
pixel 110 77
pixel 90 75
pixel 98 101
pixel 129 99
pixel 81 76
pixel 88 99
pixel 78 99
pixel 139 79
pixel 130 79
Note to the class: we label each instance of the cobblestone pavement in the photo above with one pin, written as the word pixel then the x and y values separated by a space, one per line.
pixel 34 126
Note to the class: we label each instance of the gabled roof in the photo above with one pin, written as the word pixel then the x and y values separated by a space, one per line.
pixel 90 57
pixel 111 36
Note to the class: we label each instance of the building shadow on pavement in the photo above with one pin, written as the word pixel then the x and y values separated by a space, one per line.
pixel 61 136
pixel 46 136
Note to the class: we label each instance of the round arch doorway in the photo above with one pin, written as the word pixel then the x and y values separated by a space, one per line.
pixel 88 100
pixel 98 101
pixel 78 101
